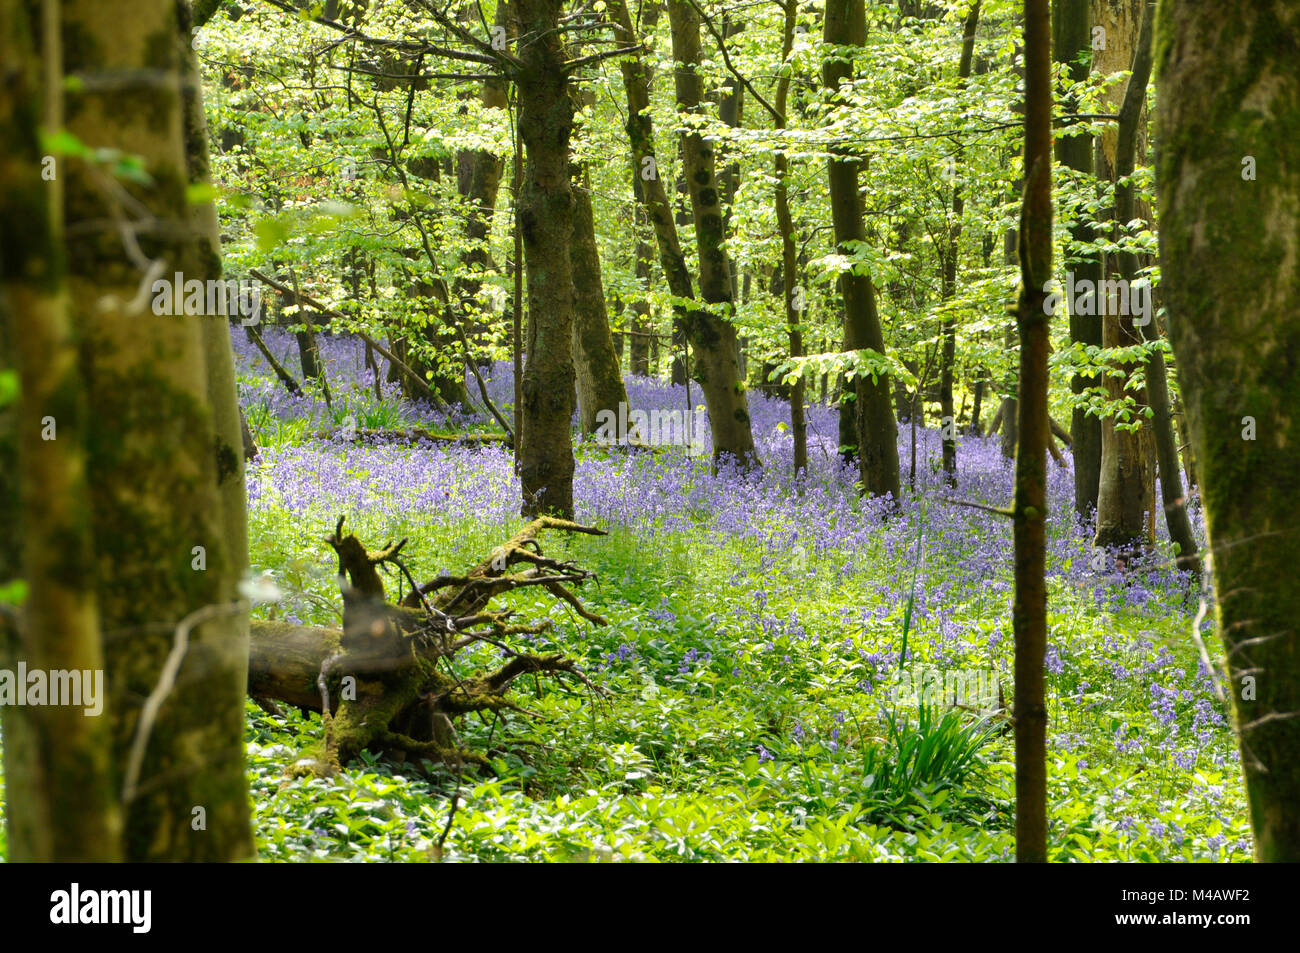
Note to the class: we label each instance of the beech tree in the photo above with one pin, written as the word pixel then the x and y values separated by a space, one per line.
pixel 875 431
pixel 1228 174
pixel 60 804
pixel 164 515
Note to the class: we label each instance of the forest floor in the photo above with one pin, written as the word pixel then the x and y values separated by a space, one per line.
pixel 752 655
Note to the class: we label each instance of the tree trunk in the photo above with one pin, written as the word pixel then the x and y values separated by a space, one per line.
pixel 233 441
pixel 794 309
pixel 977 406
pixel 1072 34
pixel 166 562
pixel 1162 428
pixel 647 176
pixel 59 800
pixel 731 111
pixel 600 379
pixel 876 430
pixel 639 362
pixel 1231 280
pixel 948 418
pixel 546 221
pixel 485 171
pixel 1029 612
pixel 1126 491
pixel 709 328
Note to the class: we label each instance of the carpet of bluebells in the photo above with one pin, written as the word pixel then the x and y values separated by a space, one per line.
pixel 758 626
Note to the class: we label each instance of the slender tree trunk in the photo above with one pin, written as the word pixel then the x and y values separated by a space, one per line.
pixel 731 110
pixel 948 421
pixel 600 379
pixel 876 430
pixel 232 438
pixel 789 258
pixel 59 799
pixel 546 221
pixel 1228 174
pixel 641 343
pixel 709 327
pixel 647 177
pixel 486 169
pixel 1030 609
pixel 1189 459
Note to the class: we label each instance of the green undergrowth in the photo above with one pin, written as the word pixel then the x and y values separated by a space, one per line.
pixel 736 731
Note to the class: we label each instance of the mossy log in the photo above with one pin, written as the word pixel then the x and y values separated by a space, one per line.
pixel 386 681
pixel 416 435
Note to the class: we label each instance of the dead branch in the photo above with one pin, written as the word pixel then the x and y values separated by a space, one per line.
pixel 386 680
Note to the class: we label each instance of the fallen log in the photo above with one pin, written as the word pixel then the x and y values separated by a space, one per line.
pixel 387 680
pixel 415 435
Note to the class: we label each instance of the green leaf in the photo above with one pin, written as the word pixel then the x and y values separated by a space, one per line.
pixel 8 388
pixel 13 593
pixel 271 232
pixel 199 192
pixel 63 143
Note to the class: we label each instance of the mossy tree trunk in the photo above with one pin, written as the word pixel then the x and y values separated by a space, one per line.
pixel 1126 491
pixel 60 803
pixel 1161 427
pixel 546 222
pixel 165 560
pixel 231 437
pixel 599 376
pixel 639 350
pixel 482 186
pixel 708 327
pixel 875 427
pixel 1228 175
pixel 647 176
pixel 1071 36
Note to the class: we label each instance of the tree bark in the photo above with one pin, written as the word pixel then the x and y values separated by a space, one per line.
pixel 875 428
pixel 708 327
pixel 1228 250
pixel 1125 493
pixel 1072 35
pixel 1029 611
pixel 599 376
pixel 229 427
pixel 948 417
pixel 165 563
pixel 789 256
pixel 59 800
pixel 546 222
